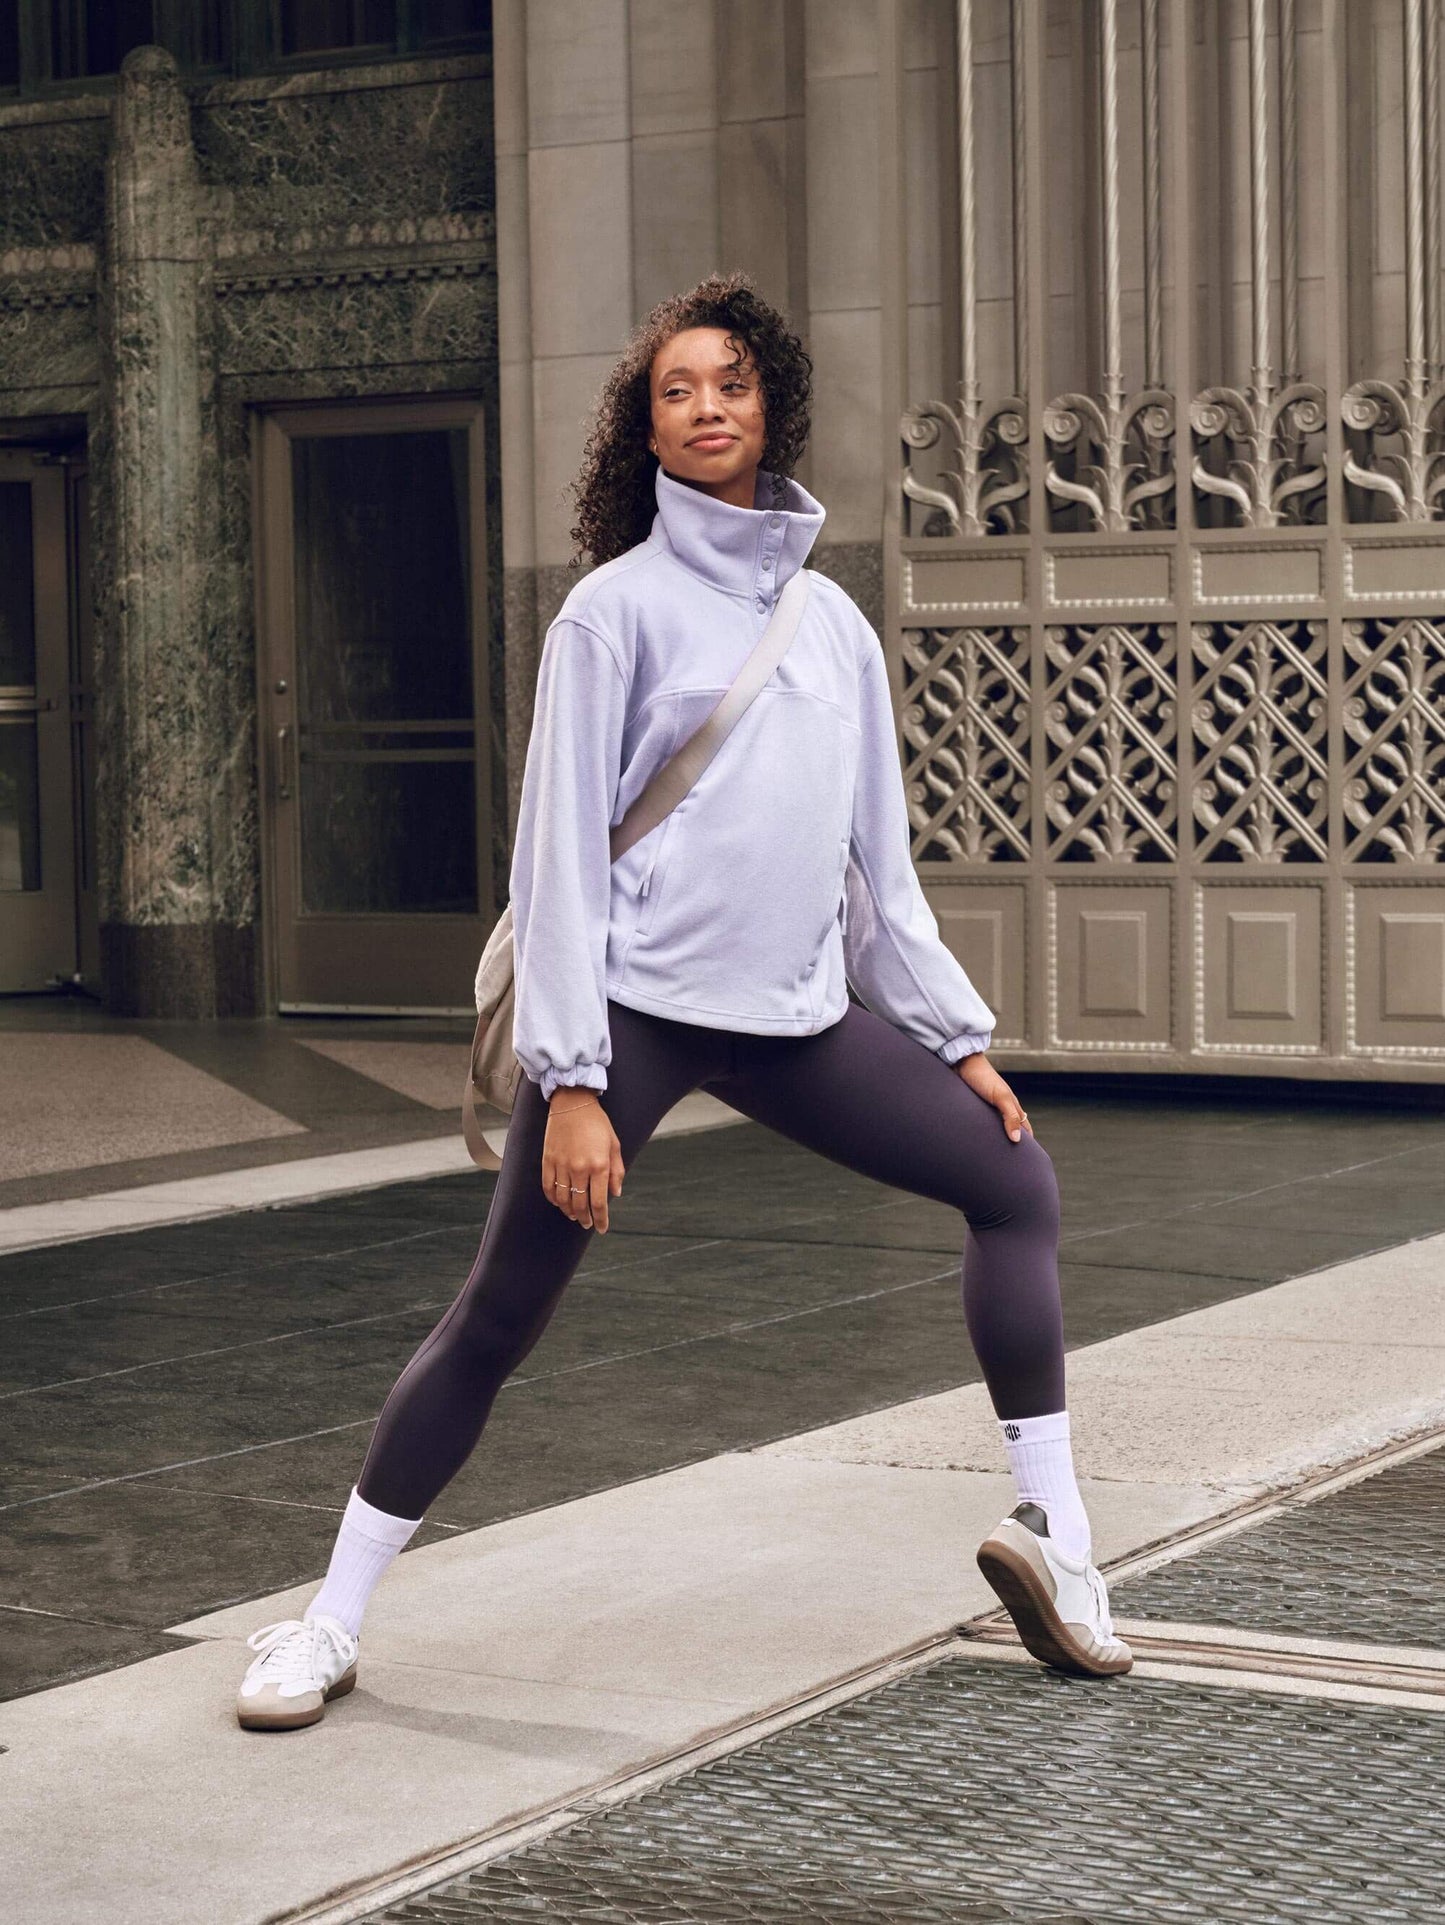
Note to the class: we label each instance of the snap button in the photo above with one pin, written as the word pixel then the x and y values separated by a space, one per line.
pixel 762 601
pixel 775 521
pixel 767 561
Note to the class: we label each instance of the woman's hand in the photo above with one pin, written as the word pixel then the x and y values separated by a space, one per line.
pixel 581 1157
pixel 980 1075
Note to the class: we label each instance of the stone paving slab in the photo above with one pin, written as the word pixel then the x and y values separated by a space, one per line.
pixel 68 1102
pixel 1246 1395
pixel 191 1199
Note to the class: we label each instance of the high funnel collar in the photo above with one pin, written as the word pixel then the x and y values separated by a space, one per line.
pixel 749 552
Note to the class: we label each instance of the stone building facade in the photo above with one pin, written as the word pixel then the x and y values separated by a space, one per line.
pixel 187 256
pixel 302 359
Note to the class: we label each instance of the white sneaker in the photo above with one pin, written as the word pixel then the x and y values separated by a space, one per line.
pixel 301 1664
pixel 1059 1605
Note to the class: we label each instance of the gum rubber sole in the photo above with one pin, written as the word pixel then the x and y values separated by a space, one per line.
pixel 1041 1630
pixel 297 1720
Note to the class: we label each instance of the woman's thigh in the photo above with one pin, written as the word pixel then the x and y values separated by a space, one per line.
pixel 655 1063
pixel 869 1097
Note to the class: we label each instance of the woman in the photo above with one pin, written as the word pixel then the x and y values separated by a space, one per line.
pixel 716 953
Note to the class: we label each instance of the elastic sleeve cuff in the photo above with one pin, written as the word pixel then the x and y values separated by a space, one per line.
pixel 581 1076
pixel 957 1047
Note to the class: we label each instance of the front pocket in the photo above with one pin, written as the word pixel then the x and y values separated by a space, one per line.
pixel 650 887
pixel 839 899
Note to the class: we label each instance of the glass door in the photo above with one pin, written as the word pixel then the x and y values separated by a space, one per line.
pixel 37 843
pixel 373 698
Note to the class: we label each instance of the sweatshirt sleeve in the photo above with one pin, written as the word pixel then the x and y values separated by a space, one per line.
pixel 896 958
pixel 561 881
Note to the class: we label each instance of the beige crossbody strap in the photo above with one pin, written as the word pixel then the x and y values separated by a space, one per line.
pixel 673 780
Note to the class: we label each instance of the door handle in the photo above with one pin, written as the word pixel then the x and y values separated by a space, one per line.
pixel 283 763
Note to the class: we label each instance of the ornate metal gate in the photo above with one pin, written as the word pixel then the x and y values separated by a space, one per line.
pixel 1166 578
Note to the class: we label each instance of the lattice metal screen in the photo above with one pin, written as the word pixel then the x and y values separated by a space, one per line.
pixel 1166 567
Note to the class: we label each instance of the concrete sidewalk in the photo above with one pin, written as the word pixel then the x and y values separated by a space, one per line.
pixel 512 1667
pixel 92 1105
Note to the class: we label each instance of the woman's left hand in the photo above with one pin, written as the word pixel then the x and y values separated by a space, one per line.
pixel 980 1075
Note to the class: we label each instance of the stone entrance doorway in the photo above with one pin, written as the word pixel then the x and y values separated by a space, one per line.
pixel 373 701
pixel 47 907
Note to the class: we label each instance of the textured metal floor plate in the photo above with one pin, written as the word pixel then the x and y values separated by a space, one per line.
pixel 1364 1564
pixel 976 1791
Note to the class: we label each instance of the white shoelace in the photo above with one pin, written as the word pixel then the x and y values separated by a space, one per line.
pixel 287 1656
pixel 1101 1602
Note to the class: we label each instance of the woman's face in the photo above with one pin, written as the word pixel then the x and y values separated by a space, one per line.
pixel 707 413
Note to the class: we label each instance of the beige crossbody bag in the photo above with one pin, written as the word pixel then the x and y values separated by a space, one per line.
pixel 495 1072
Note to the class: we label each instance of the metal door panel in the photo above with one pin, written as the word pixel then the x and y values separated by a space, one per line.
pixel 986 928
pixel 1111 979
pixel 1260 968
pixel 1395 958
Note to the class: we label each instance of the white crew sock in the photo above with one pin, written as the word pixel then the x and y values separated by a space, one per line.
pixel 1043 1467
pixel 365 1545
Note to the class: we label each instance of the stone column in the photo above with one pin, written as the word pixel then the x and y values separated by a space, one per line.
pixel 845 313
pixel 166 789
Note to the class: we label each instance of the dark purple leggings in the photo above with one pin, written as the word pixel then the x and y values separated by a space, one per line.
pixel 860 1093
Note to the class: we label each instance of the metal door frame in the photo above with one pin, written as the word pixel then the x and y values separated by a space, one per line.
pixel 276 646
pixel 46 919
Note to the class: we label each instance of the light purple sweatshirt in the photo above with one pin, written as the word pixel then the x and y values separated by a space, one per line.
pixel 784 874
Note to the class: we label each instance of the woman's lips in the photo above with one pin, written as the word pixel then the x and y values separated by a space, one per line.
pixel 713 441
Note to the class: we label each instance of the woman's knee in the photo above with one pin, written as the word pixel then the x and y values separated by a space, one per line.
pixel 1026 1194
pixel 494 1346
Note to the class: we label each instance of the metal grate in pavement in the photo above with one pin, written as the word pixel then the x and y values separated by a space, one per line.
pixel 977 1792
pixel 1364 1564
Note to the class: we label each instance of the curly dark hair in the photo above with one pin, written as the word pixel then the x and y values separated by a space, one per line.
pixel 615 489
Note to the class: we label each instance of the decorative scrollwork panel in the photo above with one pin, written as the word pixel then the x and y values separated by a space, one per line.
pixel 988 492
pixel 1394 449
pixel 1111 788
pixel 1261 721
pixel 965 718
pixel 1260 454
pixel 1394 713
pixel 1112 463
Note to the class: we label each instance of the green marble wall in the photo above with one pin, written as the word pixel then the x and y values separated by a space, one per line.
pixel 345 247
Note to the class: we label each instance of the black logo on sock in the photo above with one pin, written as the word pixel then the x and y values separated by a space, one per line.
pixel 1012 1432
